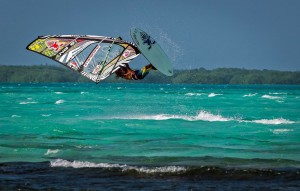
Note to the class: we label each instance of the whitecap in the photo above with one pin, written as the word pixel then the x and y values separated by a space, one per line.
pixel 58 93
pixel 57 130
pixel 273 121
pixel 213 95
pixel 207 116
pixel 281 131
pixel 46 115
pixel 201 116
pixel 80 164
pixel 84 92
pixel 193 94
pixel 84 147
pixel 59 101
pixel 124 168
pixel 27 102
pixel 13 116
pixel 271 97
pixel 250 95
pixel 278 93
pixel 50 151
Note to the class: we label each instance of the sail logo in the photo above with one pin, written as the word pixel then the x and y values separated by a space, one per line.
pixel 54 45
pixel 126 53
pixel 147 40
pixel 63 51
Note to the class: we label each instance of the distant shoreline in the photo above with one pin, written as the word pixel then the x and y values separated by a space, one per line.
pixel 19 74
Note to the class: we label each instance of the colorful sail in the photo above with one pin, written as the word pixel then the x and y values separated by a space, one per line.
pixel 95 57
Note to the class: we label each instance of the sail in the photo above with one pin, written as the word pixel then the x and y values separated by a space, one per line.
pixel 95 57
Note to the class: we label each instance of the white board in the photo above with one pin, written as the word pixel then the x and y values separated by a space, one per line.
pixel 152 51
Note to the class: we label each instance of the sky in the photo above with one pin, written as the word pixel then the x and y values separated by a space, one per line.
pixel 250 34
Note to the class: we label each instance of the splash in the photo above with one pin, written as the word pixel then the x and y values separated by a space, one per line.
pixel 207 116
pixel 173 50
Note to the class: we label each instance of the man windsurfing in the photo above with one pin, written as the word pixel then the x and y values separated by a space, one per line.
pixel 98 57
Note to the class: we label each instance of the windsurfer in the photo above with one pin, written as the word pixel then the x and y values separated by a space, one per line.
pixel 127 73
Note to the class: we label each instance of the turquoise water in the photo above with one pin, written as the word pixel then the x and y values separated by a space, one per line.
pixel 129 125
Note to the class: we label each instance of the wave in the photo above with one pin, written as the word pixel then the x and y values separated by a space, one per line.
pixel 42 176
pixel 207 116
pixel 140 169
pixel 267 169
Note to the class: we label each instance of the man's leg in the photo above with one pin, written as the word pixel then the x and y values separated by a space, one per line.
pixel 142 73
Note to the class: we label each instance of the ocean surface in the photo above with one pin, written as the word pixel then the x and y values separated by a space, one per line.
pixel 66 136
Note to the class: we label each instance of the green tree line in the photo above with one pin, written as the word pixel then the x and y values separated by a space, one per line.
pixel 14 74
